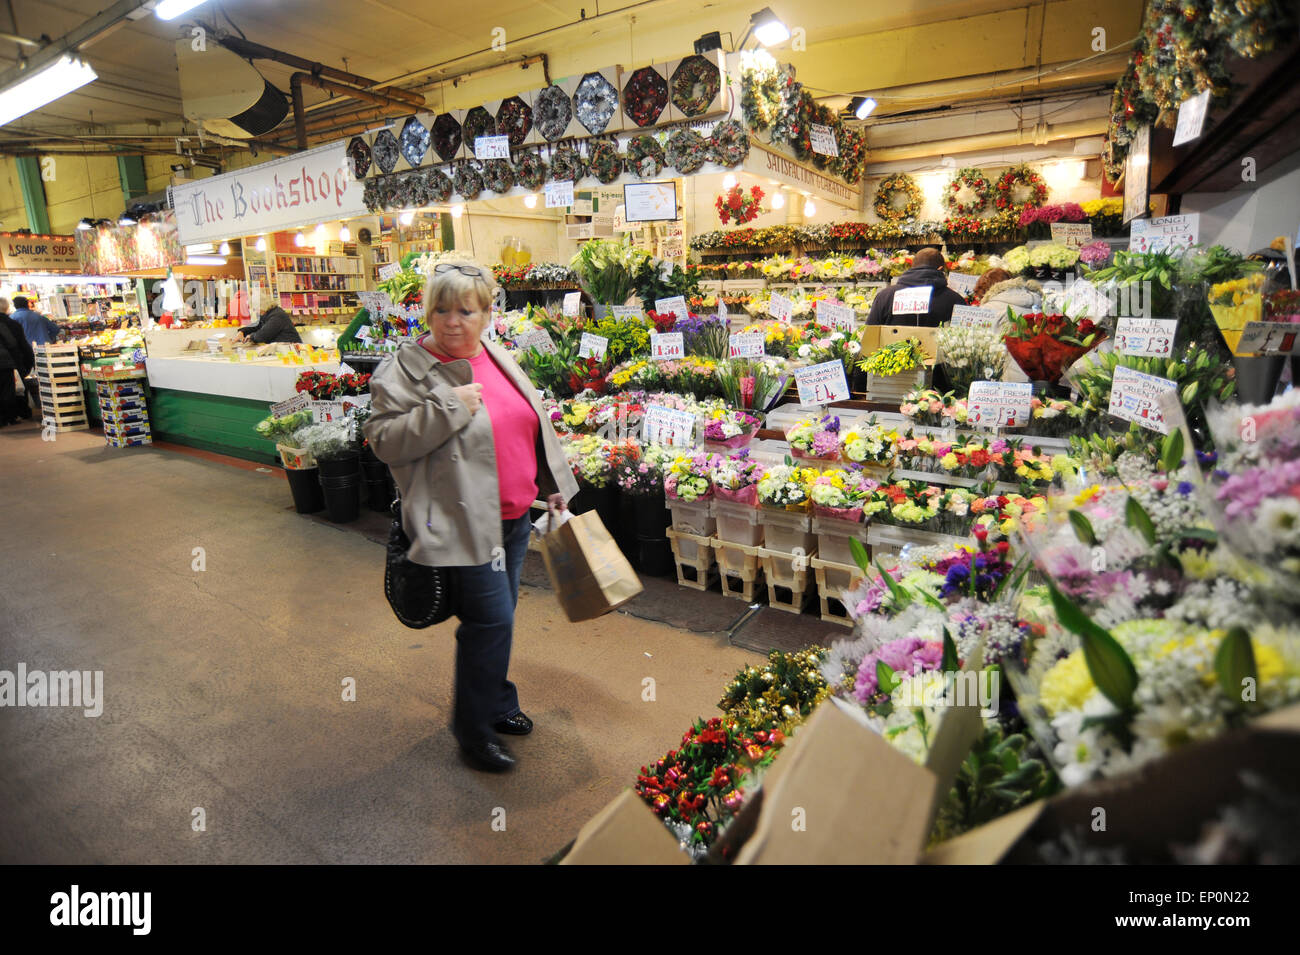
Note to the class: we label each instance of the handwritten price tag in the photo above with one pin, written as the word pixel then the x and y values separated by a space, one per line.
pixel 1073 235
pixel 999 404
pixel 1269 338
pixel 1191 118
pixel 364 333
pixel 491 147
pixel 746 345
pixel 559 194
pixel 666 346
pixel 593 346
pixel 298 402
pixel 537 339
pixel 961 283
pixel 823 140
pixel 822 384
pixel 1167 234
pixel 376 303
pixel 780 307
pixel 912 301
pixel 967 316
pixel 1134 396
pixel 835 315
pixel 667 426
pixel 672 306
pixel 386 272
pixel 572 301
pixel 1145 336
pixel 324 411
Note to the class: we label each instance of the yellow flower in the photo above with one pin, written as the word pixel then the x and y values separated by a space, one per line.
pixel 949 461
pixel 1086 495
pixel 1067 685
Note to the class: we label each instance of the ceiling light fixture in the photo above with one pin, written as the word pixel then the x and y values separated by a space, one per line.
pixel 778 200
pixel 708 42
pixel 767 28
pixel 345 234
pixel 457 210
pixel 809 208
pixel 406 218
pixel 45 84
pixel 320 231
pixel 530 200
pixel 862 106
pixel 171 9
pixel 728 181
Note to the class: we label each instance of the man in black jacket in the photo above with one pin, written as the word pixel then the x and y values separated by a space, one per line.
pixel 15 355
pixel 927 272
pixel 275 325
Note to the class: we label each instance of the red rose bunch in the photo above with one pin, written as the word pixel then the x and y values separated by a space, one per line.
pixel 1045 345
pixel 663 321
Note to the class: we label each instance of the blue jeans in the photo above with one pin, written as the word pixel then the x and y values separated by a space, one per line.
pixel 488 595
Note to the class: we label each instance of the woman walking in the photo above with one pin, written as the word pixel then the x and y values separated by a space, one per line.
pixel 461 427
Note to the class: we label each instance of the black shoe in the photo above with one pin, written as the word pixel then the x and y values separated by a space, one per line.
pixel 517 725
pixel 489 756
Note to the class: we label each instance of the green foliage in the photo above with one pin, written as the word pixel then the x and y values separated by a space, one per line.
pixel 651 285
pixel 1110 666
pixel 1234 664
pixel 997 776
pixel 607 269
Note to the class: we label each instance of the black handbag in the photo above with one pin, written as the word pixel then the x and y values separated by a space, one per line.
pixel 420 596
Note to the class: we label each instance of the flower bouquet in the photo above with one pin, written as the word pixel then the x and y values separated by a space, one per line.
pixel 730 429
pixel 970 353
pixel 1045 345
pixel 930 409
pixel 589 457
pixel 816 440
pixel 870 445
pixel 686 478
pixel 785 487
pixel 1235 303
pixel 321 385
pixel 841 494
pixel 735 478
pixel 752 383
pixel 642 474
pixel 736 204
pixel 894 359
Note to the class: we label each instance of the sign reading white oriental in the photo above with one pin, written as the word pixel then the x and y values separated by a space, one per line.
pixel 315 186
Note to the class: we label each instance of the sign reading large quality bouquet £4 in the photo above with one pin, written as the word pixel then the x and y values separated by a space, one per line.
pixel 667 426
pixel 822 384
pixel 1134 397
pixel 999 404
pixel 1145 336
pixel 310 187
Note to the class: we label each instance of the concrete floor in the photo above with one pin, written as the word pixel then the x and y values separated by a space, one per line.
pixel 223 687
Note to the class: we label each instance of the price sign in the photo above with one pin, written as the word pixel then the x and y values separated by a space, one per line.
pixel 1074 235
pixel 674 306
pixel 999 404
pixel 1166 234
pixel 822 384
pixel 386 272
pixel 722 309
pixel 913 301
pixel 746 345
pixel 1134 396
pixel 667 426
pixel 780 307
pixel 364 333
pixel 1145 336
pixel 491 147
pixel 1269 338
pixel 572 301
pixel 298 402
pixel 559 194
pixel 1191 118
pixel 667 346
pixel 323 411
pixel 961 283
pixel 593 346
pixel 1084 298
pixel 823 140
pixel 835 315
pixel 968 316
pixel 626 311
pixel 354 402
pixel 1137 175
pixel 538 339
pixel 376 303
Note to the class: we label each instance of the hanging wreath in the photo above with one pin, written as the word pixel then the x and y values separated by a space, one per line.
pixel 729 144
pixel 530 170
pixel 566 164
pixel 468 181
pixel 370 195
pixel 736 204
pixel 604 161
pixel 977 182
pixel 687 151
pixel 695 85
pixel 900 183
pixel 437 186
pixel 1021 175
pixel 498 176
pixel 645 157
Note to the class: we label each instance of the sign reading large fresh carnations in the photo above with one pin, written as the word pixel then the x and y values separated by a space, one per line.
pixel 310 187
pixel 667 426
pixel 835 315
pixel 971 317
pixel 666 346
pixel 746 345
pixel 38 253
pixel 999 404
pixel 1134 397
pixel 822 384
pixel 1145 336
pixel 1072 235
pixel 913 301
pixel 1166 234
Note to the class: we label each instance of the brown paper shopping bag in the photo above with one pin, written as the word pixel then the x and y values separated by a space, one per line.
pixel 588 571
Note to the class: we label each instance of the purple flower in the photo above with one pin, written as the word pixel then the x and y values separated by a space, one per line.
pixel 908 656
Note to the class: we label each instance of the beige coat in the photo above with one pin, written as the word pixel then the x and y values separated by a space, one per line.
pixel 444 459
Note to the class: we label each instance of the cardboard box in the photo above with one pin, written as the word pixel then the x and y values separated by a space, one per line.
pixel 625 832
pixel 877 336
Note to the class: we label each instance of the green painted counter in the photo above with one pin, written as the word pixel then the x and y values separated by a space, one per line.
pixel 211 422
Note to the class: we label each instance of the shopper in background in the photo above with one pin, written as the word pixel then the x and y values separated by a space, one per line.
pixel 986 281
pixel 470 448
pixel 927 271
pixel 38 329
pixel 275 325
pixel 15 357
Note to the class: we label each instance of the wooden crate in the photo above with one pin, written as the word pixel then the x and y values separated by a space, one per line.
pixel 832 580
pixel 693 555
pixel 64 420
pixel 740 568
pixel 784 571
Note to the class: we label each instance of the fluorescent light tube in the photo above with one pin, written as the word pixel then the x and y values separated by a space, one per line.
pixel 48 83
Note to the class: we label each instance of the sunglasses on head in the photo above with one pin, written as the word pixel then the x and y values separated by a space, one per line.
pixel 472 271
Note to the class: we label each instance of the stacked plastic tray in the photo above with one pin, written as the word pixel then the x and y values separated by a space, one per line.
pixel 126 415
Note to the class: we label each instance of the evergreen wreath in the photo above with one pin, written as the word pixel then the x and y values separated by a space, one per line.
pixel 468 181
pixel 498 176
pixel 687 151
pixel 978 182
pixel 891 186
pixel 1022 175
pixel 530 169
pixel 729 144
pixel 567 164
pixel 604 161
pixel 645 157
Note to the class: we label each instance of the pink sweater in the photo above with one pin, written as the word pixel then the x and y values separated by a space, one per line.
pixel 514 434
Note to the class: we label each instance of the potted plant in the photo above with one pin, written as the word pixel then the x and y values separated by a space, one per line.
pixel 334 446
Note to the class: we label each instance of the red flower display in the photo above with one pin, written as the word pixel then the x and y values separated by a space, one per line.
pixel 1045 345
pixel 735 204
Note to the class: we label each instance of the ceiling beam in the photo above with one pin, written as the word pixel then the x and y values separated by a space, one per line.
pixel 74 39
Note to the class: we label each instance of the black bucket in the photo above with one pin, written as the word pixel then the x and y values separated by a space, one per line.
pixel 379 484
pixel 655 557
pixel 342 497
pixel 348 465
pixel 304 484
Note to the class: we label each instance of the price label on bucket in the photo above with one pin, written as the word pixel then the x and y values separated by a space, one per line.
pixel 666 346
pixel 1145 336
pixel 961 283
pixel 999 404
pixel 667 426
pixel 969 316
pixel 298 402
pixel 835 315
pixel 572 302
pixel 593 346
pixel 673 306
pixel 1134 396
pixel 538 339
pixel 780 307
pixel 746 345
pixel 1269 338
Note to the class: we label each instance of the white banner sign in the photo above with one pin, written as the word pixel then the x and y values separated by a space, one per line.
pixel 746 345
pixel 315 186
pixel 672 306
pixel 1269 338
pixel 913 301
pixel 961 283
pixel 539 339
pixel 559 194
pixel 1167 234
pixel 491 147
pixel 1137 175
pixel 1074 235
pixel 593 346
pixel 1145 336
pixel 1191 118
pixel 780 307
pixel 667 426
pixel 999 404
pixel 823 140
pixel 822 384
pixel 971 317
pixel 297 403
pixel 835 315
pixel 1134 397
pixel 667 346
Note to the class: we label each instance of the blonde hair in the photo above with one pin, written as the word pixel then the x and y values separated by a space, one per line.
pixel 450 287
